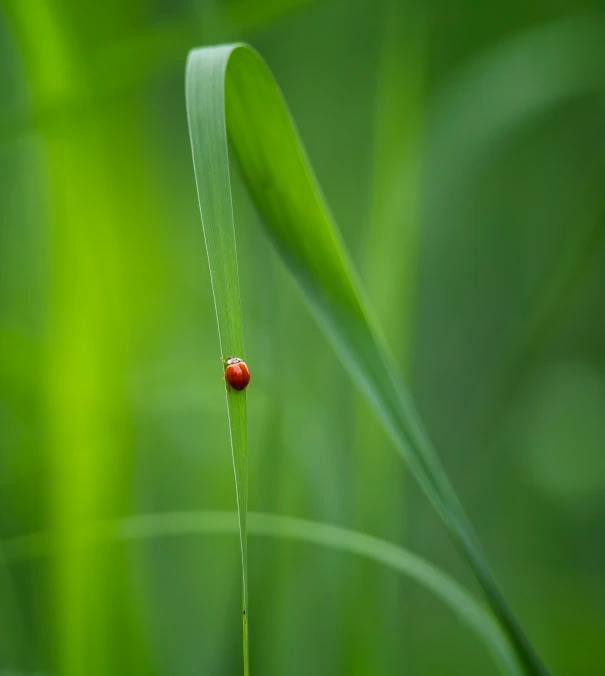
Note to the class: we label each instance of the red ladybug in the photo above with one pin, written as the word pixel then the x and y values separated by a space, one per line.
pixel 237 373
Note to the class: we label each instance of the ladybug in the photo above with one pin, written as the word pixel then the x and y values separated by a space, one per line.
pixel 237 373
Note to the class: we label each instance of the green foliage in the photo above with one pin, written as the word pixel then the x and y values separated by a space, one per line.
pixel 465 169
pixel 231 95
pixel 149 527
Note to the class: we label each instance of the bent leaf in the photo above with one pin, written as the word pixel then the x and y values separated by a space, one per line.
pixel 231 94
pixel 178 524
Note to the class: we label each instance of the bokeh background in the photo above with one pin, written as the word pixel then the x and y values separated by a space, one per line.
pixel 461 147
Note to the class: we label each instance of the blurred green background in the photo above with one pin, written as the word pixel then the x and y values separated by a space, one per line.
pixel 461 147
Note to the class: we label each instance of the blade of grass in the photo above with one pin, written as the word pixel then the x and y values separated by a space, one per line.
pixel 141 57
pixel 14 635
pixel 89 316
pixel 389 272
pixel 391 239
pixel 567 58
pixel 533 75
pixel 232 94
pixel 175 524
pixel 211 172
pixel 77 384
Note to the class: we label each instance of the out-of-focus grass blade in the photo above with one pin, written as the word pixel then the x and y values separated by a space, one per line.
pixel 174 524
pixel 84 330
pixel 454 595
pixel 567 59
pixel 391 244
pixel 136 59
pixel 389 269
pixel 232 94
pixel 13 637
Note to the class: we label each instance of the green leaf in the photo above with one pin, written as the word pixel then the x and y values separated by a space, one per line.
pixel 173 524
pixel 454 595
pixel 14 631
pixel 211 165
pixel 231 94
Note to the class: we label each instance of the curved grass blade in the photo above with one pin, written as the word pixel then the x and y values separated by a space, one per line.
pixel 174 524
pixel 231 92
pixel 567 58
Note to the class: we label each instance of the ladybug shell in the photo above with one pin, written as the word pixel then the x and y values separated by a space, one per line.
pixel 237 375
